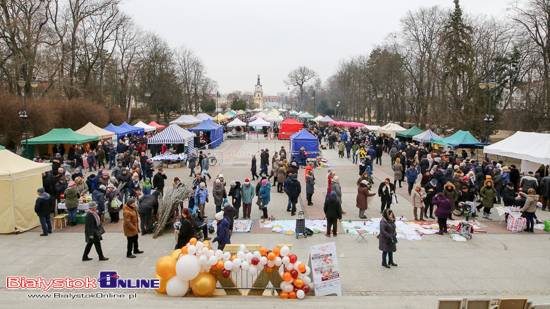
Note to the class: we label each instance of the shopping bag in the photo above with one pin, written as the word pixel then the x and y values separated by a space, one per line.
pixel 547 226
pixel 393 199
pixel 516 224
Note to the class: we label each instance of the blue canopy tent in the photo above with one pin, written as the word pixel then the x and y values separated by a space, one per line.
pixel 134 130
pixel 306 140
pixel 120 132
pixel 215 130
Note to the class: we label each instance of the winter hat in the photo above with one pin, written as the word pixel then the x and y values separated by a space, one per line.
pixel 67 174
pixel 336 179
pixel 111 186
pixel 220 176
pixel 247 181
pixel 464 187
pixel 264 182
pixel 202 185
pixel 510 184
pixel 113 178
pixel 71 185
pixel 40 190
pixel 465 178
pixel 92 205
pixel 130 201
pixel 233 183
pixel 433 181
pixel 100 171
pixel 135 175
pixel 295 176
pixel 218 181
pixel 102 187
pixel 219 216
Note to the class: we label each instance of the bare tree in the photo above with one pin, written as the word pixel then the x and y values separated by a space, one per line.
pixel 300 77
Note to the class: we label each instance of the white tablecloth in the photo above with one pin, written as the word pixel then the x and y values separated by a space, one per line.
pixel 513 211
pixel 82 207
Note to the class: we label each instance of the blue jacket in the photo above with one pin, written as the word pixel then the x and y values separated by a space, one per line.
pixel 223 231
pixel 201 195
pixel 371 152
pixel 411 175
pixel 368 171
pixel 248 193
pixel 265 193
pixel 505 178
pixel 98 196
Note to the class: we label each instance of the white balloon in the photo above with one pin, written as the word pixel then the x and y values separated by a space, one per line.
pixel 199 245
pixel 187 267
pixel 285 251
pixel 249 257
pixel 278 261
pixel 207 268
pixel 236 263
pixel 286 260
pixel 306 279
pixel 228 265
pixel 289 267
pixel 243 248
pixel 204 250
pixel 257 254
pixel 263 260
pixel 192 249
pixel 199 253
pixel 288 287
pixel 241 255
pixel 236 269
pixel 226 256
pixel 282 285
pixel 253 270
pixel 245 265
pixel 210 253
pixel 260 267
pixel 219 254
pixel 308 270
pixel 175 287
pixel 212 260
pixel 300 294
pixel 203 260
pixel 270 264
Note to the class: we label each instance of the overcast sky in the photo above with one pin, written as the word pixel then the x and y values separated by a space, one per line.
pixel 237 40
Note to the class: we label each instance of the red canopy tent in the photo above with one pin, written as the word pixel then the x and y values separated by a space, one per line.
pixel 156 125
pixel 289 127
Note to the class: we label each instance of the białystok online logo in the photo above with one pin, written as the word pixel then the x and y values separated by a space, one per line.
pixel 106 280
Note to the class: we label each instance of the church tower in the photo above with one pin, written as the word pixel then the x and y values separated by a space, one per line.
pixel 259 95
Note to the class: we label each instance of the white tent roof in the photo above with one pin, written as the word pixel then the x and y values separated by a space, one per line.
pixel 325 119
pixel 236 123
pixel 173 134
pixel 185 120
pixel 259 123
pixel 272 117
pixel 425 137
pixel 534 147
pixel 145 126
pixel 203 116
pixel 371 128
pixel 391 128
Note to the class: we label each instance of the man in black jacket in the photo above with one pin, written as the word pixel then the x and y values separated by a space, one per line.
pixel 333 213
pixel 148 204
pixel 158 180
pixel 385 191
pixel 264 162
pixel 294 189
pixel 42 208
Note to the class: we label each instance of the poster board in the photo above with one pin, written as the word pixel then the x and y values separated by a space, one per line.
pixel 324 268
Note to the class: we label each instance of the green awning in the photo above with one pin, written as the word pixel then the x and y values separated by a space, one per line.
pixel 65 136
pixel 409 133
pixel 461 139
pixel 2 147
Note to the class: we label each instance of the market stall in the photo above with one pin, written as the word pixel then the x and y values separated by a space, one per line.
pixel 120 132
pixel 57 136
pixel 156 125
pixel 288 127
pixel 145 126
pixel 533 149
pixel 306 140
pixel 186 120
pixel 214 133
pixel 325 119
pixel 391 129
pixel 204 116
pixel 461 139
pixel 409 133
pixel 19 180
pixel 133 130
pixel 426 137
pixel 173 134
pixel 93 130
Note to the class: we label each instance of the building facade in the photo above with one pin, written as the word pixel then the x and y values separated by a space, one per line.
pixel 259 95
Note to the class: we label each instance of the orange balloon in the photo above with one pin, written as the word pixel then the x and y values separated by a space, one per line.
pixel 271 256
pixel 287 276
pixel 206 243
pixel 176 254
pixel 233 257
pixel 299 283
pixel 263 251
pixel 166 267
pixel 292 295
pixel 302 268
pixel 277 252
pixel 214 267
pixel 184 250
pixel 162 285
pixel 219 265
pixel 193 241
pixel 269 270
pixel 284 295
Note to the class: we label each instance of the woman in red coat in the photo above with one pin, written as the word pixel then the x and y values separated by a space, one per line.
pixel 362 195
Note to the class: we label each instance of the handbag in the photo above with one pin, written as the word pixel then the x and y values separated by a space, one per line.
pixel 99 231
pixel 260 203
pixel 393 199
pixel 392 241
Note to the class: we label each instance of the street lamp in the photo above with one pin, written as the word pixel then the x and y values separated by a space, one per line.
pixel 488 117
pixel 217 99
pixel 313 97
pixel 22 84
pixel 337 108
pixel 380 96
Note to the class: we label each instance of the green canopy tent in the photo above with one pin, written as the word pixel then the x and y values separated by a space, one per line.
pixel 306 115
pixel 461 139
pixel 61 136
pixel 408 134
pixel 2 147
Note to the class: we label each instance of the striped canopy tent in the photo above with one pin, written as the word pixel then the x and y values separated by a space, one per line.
pixel 173 134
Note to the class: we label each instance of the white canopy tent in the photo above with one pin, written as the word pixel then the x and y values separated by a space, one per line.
pixel 185 120
pixel 532 148
pixel 145 126
pixel 371 128
pixel 272 117
pixel 391 129
pixel 426 136
pixel 259 123
pixel 204 116
pixel 325 119
pixel 236 123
